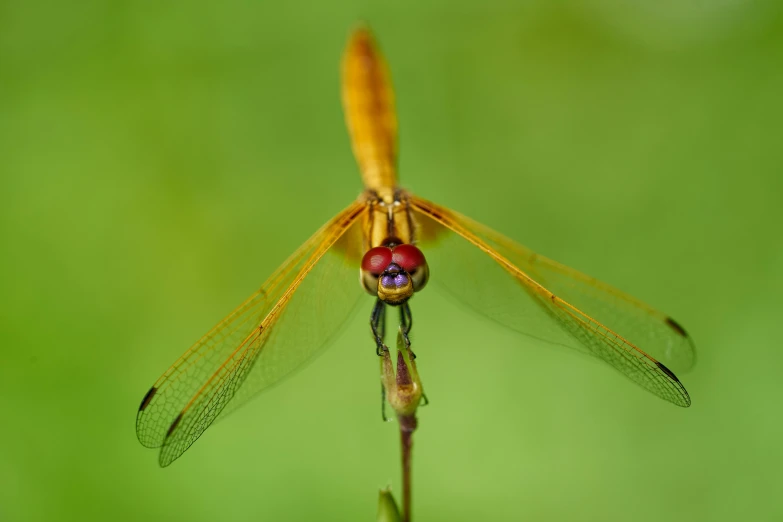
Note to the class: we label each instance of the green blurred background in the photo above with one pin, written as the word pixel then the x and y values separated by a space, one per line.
pixel 148 153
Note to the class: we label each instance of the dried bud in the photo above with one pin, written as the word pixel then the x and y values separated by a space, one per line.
pixel 403 390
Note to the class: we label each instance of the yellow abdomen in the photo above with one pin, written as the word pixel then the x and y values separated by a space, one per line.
pixel 368 102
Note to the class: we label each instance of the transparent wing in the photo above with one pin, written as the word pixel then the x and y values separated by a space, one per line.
pixel 280 327
pixel 543 299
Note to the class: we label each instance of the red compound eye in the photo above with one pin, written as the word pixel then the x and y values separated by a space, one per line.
pixel 376 260
pixel 408 257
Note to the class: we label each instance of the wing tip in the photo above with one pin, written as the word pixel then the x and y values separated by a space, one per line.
pixel 667 371
pixel 164 460
pixel 174 425
pixel 142 421
pixel 166 456
pixel 685 401
pixel 147 398
pixel 680 330
pixel 677 327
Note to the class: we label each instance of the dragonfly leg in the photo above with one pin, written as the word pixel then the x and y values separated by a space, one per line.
pixel 406 323
pixel 378 325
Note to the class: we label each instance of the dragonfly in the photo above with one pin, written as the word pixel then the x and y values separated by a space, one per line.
pixel 383 237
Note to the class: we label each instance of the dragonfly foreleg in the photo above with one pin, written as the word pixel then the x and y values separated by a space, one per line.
pixel 378 325
pixel 406 323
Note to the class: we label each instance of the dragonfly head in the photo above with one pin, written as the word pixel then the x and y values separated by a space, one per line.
pixel 394 273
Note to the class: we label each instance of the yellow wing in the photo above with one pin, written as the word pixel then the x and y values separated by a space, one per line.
pixel 280 327
pixel 536 296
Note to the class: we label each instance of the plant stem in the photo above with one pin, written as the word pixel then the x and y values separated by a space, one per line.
pixel 404 393
pixel 407 427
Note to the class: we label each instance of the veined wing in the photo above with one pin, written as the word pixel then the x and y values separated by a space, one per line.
pixel 552 302
pixel 266 338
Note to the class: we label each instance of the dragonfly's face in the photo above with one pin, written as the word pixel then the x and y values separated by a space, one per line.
pixel 394 273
